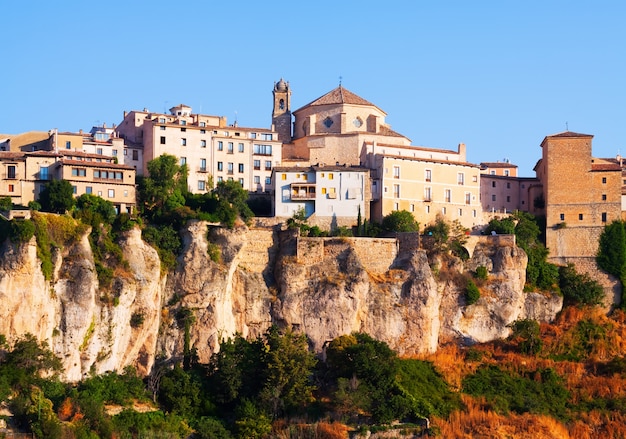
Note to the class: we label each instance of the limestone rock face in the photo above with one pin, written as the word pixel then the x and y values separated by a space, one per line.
pixel 325 287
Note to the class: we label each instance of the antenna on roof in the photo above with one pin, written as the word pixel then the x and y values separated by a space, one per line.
pixel 340 78
pixel 566 126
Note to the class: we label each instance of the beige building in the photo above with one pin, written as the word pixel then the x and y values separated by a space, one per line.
pixel 582 194
pixel 24 175
pixel 212 150
pixel 341 128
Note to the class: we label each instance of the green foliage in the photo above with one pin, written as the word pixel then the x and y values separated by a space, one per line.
pixel 611 255
pixel 439 231
pixel 585 336
pixel 502 226
pixel 481 272
pixel 181 393
pixel 528 333
pixel 211 428
pixel 430 394
pixel 214 252
pixel 400 221
pixel 131 424
pixel 251 422
pixel 340 231
pixel 232 203
pixel 164 190
pixel 22 230
pixel 6 203
pixel 94 210
pixel 579 289
pixel 136 320
pixel 57 196
pixel 540 391
pixel 472 293
pixel 34 205
pixel 167 242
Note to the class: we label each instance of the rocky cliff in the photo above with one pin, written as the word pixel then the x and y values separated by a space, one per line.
pixel 325 287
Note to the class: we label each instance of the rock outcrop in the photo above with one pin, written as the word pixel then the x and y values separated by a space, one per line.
pixel 325 287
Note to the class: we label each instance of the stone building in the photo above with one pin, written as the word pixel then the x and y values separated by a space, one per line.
pixel 582 194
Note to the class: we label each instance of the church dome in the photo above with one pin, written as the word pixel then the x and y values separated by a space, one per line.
pixel 281 85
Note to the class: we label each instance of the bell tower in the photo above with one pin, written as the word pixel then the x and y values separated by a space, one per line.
pixel 281 115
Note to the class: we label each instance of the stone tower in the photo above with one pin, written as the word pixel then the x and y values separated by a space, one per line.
pixel 281 115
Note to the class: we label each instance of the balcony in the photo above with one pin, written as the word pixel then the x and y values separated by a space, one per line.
pixel 202 169
pixel 302 192
pixel 10 176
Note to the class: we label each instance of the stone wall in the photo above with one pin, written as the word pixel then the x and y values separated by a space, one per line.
pixel 376 254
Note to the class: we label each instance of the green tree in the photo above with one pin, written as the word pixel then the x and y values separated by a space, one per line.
pixel 502 226
pixel 57 196
pixel 579 289
pixel 528 333
pixel 165 188
pixel 439 231
pixel 6 203
pixel 288 366
pixel 472 293
pixel 94 210
pixel 611 255
pixel 232 202
pixel 400 221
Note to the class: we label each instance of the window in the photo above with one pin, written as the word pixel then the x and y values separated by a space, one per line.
pixel 508 185
pixel 253 135
pixel 396 206
pixel 241 182
pixel 331 176
pixel 427 209
pixel 603 217
pixel 230 147
pixel 580 217
pixel 493 184
pixel 135 154
pixel 396 191
pixel 428 175
pixel 202 131
pixel 241 148
pixel 43 172
pixel 412 207
pixel 447 195
pixel 99 151
pixel 125 151
pixel 202 143
pixel 183 161
pixel 203 165
pixel 220 166
pixel 68 144
pixel 88 190
pixel 603 180
pixel 460 212
pixel 184 130
pixel 99 193
pixel 443 210
pixel 506 172
pixel 162 140
pixel 603 197
pixel 183 122
pixel 268 165
pixel 262 149
pixel 468 198
pixel 257 179
pixel 562 216
pixel 183 142
pixel 268 180
pixel 427 194
pixel 220 179
pixel 475 178
pixel 126 194
pixel 266 136
pixel 240 168
pixel 220 146
pixel 11 188
pixel 11 173
pixel 396 172
pixel 257 165
pixel 230 168
pixel 79 172
pixel 283 176
pixel 111 193
pixel 74 190
pixel 460 178
pixel 161 120
pixel 492 172
pixel 201 185
pixel 493 198
pixel 162 128
pixel 508 198
pixel 328 122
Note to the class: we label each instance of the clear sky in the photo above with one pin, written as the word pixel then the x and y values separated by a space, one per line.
pixel 498 76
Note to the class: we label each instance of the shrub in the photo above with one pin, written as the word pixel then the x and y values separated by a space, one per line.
pixel 527 331
pixel 472 293
pixel 481 272
pixel 579 289
pixel 400 221
pixel 136 320
pixel 22 230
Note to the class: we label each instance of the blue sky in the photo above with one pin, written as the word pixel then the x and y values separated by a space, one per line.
pixel 496 75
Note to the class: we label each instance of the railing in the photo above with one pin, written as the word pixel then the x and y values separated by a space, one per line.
pixel 202 169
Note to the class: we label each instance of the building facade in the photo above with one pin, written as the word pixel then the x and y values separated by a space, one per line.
pixel 211 149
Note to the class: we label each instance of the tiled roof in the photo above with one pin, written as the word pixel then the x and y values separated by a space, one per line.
pixel 340 96
pixel 497 165
pixel 93 164
pixel 570 134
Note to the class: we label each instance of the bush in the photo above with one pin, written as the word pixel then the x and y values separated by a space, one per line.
pixel 481 272
pixel 529 336
pixel 472 293
pixel 400 221
pixel 579 289
pixel 22 230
